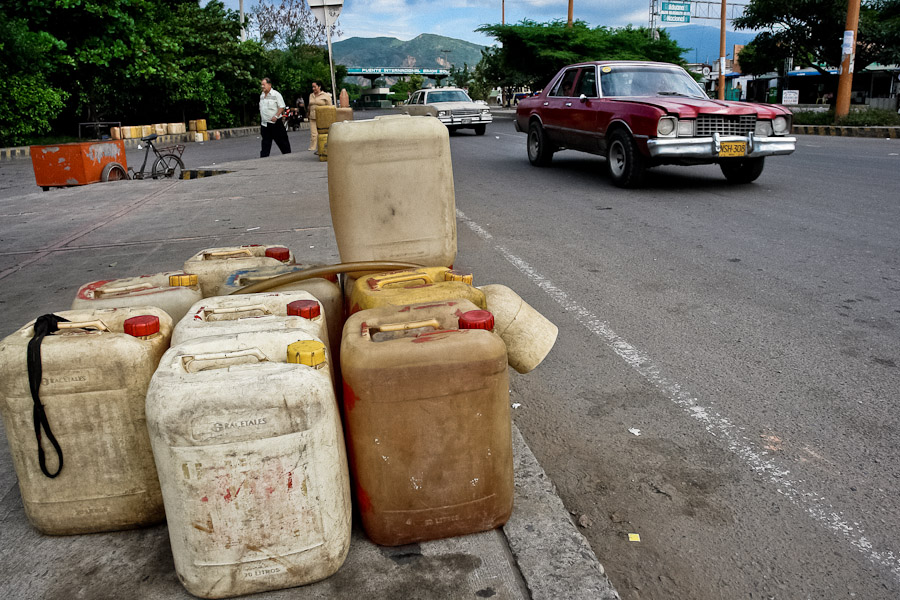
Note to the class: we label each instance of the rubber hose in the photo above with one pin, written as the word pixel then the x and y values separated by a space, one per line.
pixel 310 273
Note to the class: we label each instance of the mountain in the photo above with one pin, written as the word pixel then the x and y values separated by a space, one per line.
pixel 702 42
pixel 426 51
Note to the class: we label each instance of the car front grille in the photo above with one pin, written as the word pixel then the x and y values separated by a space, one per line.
pixel 725 125
pixel 465 112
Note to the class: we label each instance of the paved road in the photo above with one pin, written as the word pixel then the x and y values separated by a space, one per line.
pixel 748 334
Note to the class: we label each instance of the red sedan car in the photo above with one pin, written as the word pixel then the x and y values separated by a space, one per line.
pixel 642 114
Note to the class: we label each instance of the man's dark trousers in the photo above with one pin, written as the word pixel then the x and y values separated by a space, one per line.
pixel 274 131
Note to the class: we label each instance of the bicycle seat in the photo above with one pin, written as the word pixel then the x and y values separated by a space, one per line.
pixel 149 138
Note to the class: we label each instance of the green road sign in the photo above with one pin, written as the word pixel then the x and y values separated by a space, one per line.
pixel 682 18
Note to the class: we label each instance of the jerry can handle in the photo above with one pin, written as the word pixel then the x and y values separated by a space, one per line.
pixel 367 330
pixel 226 254
pixel 194 363
pixel 229 310
pixel 95 324
pixel 378 283
pixel 122 289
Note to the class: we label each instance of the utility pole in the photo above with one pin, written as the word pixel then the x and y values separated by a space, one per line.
pixel 721 91
pixel 503 12
pixel 848 52
pixel 571 13
pixel 243 32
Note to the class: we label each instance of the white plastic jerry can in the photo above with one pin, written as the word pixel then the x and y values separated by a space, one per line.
pixel 326 290
pixel 220 315
pixel 213 265
pixel 96 472
pixel 174 292
pixel 373 218
pixel 250 454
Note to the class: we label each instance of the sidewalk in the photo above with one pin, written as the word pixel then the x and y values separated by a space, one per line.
pixel 53 243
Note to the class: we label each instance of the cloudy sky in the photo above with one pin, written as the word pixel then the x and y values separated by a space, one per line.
pixel 405 19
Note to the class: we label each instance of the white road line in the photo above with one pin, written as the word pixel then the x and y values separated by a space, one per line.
pixel 814 504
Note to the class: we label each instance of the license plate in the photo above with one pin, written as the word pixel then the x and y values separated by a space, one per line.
pixel 730 149
pixel 466 121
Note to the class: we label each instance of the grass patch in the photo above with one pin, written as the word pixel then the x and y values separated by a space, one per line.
pixel 874 117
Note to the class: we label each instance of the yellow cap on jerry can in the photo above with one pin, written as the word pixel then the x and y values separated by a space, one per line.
pixel 459 276
pixel 183 280
pixel 306 352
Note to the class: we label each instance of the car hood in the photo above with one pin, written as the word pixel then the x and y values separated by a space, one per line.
pixel 456 105
pixel 687 108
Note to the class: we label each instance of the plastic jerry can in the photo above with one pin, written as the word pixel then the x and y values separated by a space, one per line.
pixel 325 116
pixel 174 292
pixel 250 453
pixel 213 265
pixel 322 146
pixel 412 286
pixel 426 412
pixel 95 371
pixel 375 219
pixel 326 291
pixel 222 315
pixel 529 335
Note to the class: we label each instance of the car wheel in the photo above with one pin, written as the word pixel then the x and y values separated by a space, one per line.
pixel 624 161
pixel 539 152
pixel 742 170
pixel 480 129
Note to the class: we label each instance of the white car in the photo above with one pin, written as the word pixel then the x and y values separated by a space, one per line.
pixel 453 107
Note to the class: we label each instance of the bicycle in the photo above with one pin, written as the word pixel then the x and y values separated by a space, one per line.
pixel 167 163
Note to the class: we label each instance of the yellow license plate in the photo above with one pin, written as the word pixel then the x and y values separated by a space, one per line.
pixel 729 149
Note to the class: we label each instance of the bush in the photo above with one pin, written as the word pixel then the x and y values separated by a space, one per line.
pixel 873 117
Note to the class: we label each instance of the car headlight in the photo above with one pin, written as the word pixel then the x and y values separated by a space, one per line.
pixel 685 128
pixel 443 113
pixel 666 126
pixel 763 128
pixel 485 112
pixel 781 125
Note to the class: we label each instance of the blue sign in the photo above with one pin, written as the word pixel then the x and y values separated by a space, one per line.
pixel 683 18
pixel 676 7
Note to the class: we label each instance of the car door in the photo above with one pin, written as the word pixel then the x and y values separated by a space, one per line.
pixel 581 115
pixel 555 106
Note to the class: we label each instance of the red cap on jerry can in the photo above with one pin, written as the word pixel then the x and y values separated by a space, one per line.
pixel 476 319
pixel 142 326
pixel 308 309
pixel 278 253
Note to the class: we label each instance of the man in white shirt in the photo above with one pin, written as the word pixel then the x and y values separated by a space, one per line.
pixel 271 105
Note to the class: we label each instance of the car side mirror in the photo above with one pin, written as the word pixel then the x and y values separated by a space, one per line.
pixel 583 98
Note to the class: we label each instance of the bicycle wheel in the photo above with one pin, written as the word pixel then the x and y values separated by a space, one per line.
pixel 167 165
pixel 113 172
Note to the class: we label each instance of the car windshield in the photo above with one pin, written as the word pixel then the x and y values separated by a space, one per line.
pixel 648 80
pixel 448 96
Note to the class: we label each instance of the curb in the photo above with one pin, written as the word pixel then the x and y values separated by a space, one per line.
pixel 163 140
pixel 836 130
pixel 554 558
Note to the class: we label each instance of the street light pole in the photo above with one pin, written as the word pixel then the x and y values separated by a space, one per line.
pixel 721 91
pixel 571 13
pixel 848 52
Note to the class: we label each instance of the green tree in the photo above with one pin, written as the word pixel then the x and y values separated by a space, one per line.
pixel 27 100
pixel 460 77
pixel 534 52
pixel 401 90
pixel 810 32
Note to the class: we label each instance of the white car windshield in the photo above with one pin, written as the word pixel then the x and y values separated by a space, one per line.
pixel 448 96
pixel 648 80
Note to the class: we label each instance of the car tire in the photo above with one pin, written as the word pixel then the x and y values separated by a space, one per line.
pixel 742 170
pixel 624 162
pixel 480 129
pixel 539 151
